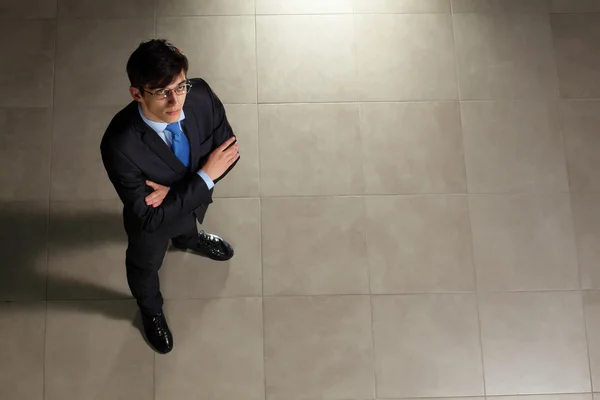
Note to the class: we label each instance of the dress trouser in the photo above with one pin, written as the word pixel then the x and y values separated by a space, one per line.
pixel 144 258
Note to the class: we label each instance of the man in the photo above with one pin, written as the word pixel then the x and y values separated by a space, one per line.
pixel 163 154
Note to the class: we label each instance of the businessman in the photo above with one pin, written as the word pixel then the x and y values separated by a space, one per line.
pixel 163 153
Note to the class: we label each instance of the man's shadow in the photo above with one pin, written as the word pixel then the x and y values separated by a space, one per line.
pixel 26 233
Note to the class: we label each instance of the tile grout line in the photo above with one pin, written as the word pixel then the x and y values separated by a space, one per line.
pixel 364 206
pixel 260 206
pixel 468 198
pixel 48 204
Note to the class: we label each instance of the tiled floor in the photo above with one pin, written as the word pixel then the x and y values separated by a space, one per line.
pixel 416 213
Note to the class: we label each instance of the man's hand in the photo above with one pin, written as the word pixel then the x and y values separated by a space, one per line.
pixel 156 198
pixel 220 159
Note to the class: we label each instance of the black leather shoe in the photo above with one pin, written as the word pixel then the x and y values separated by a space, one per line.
pixel 158 332
pixel 210 246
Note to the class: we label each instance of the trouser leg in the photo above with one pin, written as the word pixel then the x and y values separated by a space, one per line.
pixel 143 260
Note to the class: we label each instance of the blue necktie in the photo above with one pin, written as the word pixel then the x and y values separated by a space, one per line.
pixel 181 146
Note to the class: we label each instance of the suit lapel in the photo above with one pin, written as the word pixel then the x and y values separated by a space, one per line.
pixel 190 128
pixel 156 144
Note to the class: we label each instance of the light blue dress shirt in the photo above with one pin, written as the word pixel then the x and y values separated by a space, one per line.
pixel 167 137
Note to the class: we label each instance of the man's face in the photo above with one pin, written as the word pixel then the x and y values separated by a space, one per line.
pixel 160 109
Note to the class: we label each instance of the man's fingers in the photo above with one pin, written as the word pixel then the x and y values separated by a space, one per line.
pixel 227 143
pixel 152 185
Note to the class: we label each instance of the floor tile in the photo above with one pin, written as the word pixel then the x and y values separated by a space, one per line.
pixel 419 342
pixel 186 274
pixel 514 146
pixel 580 123
pixel 22 327
pixel 402 6
pixel 242 180
pixel 303 6
pixel 26 75
pixel 105 9
pixel 574 6
pixel 99 354
pixel 103 46
pixel 326 152
pixel 496 62
pixel 403 231
pixel 25 153
pixel 77 169
pixel 209 361
pixel 314 246
pixel 86 246
pixel 204 7
pixel 318 347
pixel 28 9
pixel 534 343
pixel 472 6
pixel 577 44
pixel 405 57
pixel 306 58
pixel 524 242
pixel 225 57
pixel 23 234
pixel 586 212
pixel 591 303
pixel 390 135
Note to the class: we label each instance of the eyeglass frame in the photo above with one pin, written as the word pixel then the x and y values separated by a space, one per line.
pixel 168 92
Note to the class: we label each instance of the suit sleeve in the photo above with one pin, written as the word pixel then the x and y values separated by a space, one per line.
pixel 221 128
pixel 129 182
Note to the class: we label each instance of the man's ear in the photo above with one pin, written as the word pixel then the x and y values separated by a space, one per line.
pixel 135 93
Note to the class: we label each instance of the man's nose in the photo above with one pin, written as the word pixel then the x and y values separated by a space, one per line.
pixel 173 98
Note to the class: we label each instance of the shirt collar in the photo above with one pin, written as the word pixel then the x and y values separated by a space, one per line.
pixel 159 127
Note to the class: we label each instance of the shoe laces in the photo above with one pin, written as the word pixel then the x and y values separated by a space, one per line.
pixel 157 320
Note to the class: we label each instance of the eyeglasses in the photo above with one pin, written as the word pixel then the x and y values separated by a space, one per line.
pixel 161 94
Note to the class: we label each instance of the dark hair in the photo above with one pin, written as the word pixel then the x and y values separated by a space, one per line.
pixel 155 64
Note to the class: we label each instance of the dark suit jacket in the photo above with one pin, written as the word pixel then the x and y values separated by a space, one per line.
pixel 132 153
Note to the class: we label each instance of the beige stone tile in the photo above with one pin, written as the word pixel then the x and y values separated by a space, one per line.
pixel 581 122
pixel 105 9
pixel 77 169
pixel 419 244
pixel 495 61
pixel 26 75
pixel 318 347
pixel 306 58
pixel 574 6
pixel 25 153
pixel 524 242
pixel 483 6
pixel 242 180
pixel 586 212
pixel 93 350
pixel 22 327
pixel 24 235
pixel 591 305
pixel 225 57
pixel 581 396
pixel 402 6
pixel 577 44
pixel 187 275
pixel 405 57
pixel 204 7
pixel 103 46
pixel 427 346
pixel 28 9
pixel 314 246
pixel 218 351
pixel 514 146
pixel 412 148
pixel 87 245
pixel 303 6
pixel 534 343
pixel 310 149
